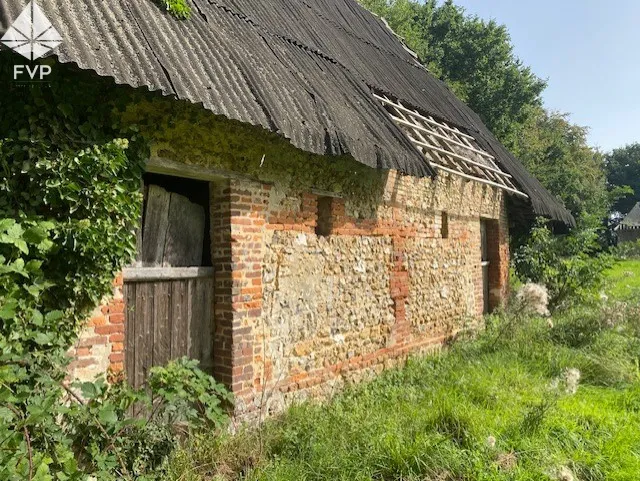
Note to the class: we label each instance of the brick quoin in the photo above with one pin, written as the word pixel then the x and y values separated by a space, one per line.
pixel 99 349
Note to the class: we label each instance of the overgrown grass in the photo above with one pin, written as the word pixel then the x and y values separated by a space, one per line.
pixel 624 278
pixel 498 407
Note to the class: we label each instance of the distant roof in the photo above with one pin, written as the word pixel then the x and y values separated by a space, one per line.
pixel 632 219
pixel 305 69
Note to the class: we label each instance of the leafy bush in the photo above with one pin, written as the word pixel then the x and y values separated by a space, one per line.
pixel 108 440
pixel 570 266
pixel 627 250
pixel 66 225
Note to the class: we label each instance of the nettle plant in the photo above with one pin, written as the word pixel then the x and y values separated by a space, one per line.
pixel 70 202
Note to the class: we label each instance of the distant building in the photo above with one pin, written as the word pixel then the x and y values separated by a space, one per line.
pixel 629 229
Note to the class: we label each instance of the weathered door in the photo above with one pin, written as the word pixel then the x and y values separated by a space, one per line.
pixel 168 316
pixel 169 296
pixel 485 266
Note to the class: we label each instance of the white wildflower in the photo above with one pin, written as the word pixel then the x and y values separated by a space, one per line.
pixel 565 474
pixel 550 323
pixel 491 442
pixel 567 382
pixel 572 380
pixel 534 298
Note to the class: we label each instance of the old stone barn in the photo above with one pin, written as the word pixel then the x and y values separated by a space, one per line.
pixel 317 205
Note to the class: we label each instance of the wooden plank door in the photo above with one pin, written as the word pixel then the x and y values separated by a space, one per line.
pixel 169 314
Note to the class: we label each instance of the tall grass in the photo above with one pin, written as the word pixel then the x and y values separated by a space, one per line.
pixel 496 407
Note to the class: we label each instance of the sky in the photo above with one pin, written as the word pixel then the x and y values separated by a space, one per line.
pixel 587 50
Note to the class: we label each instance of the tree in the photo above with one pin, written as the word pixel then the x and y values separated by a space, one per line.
pixel 623 169
pixel 475 58
pixel 556 152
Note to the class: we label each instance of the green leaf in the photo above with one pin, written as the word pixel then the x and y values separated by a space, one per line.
pixel 43 338
pixel 8 309
pixel 37 317
pixel 107 415
pixel 53 316
pixel 88 390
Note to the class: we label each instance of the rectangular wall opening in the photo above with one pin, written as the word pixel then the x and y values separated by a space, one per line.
pixel 324 222
pixel 490 262
pixel 444 225
pixel 169 292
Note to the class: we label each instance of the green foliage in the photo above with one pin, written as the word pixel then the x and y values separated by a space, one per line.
pixel 556 152
pixel 623 169
pixel 475 58
pixel 503 406
pixel 570 266
pixel 189 394
pixel 627 250
pixel 70 202
pixel 108 441
pixel 178 8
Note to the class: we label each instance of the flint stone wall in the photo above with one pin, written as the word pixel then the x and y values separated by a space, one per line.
pixel 298 314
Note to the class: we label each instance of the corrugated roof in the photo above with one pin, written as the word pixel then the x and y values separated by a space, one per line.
pixel 301 68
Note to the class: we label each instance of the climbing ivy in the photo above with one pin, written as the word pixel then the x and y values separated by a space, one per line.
pixel 70 202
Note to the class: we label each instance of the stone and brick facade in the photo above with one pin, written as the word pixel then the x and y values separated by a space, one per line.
pixel 100 347
pixel 312 292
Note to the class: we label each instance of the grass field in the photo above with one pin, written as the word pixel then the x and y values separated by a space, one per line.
pixel 527 400
pixel 624 278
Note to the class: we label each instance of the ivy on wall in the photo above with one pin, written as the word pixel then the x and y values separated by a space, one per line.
pixel 72 155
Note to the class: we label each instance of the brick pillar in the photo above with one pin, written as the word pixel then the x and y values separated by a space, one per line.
pixel 498 241
pixel 399 290
pixel 237 227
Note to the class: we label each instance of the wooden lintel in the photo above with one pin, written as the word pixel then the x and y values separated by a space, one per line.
pixel 139 274
pixel 159 165
pixel 326 193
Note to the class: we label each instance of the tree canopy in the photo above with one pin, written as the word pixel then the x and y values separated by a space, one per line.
pixel 475 57
pixel 623 168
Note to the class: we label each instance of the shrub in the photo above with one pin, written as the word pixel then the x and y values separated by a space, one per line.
pixel 108 440
pixel 570 266
pixel 627 250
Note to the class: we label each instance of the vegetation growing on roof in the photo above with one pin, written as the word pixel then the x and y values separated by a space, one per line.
pixel 178 8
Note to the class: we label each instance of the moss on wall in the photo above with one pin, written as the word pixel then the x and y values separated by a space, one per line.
pixel 188 133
